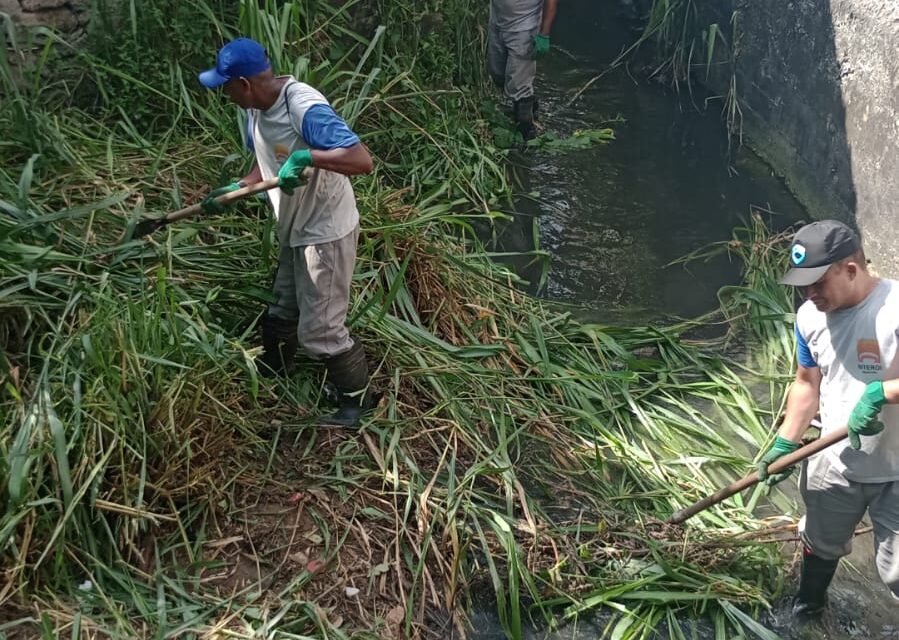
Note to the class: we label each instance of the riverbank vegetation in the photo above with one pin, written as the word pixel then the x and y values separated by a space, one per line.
pixel 153 485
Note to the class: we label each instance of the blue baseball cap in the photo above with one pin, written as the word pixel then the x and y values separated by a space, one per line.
pixel 240 58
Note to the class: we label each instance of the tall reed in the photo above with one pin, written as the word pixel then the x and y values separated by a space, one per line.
pixel 155 486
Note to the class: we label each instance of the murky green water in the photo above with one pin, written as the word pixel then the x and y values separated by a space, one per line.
pixel 613 216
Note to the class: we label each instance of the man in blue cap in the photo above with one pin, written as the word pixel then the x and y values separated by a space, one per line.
pixel 297 136
pixel 847 334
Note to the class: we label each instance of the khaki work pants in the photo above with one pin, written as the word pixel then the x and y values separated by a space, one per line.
pixel 510 61
pixel 834 507
pixel 312 287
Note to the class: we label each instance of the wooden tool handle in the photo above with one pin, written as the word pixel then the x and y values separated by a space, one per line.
pixel 231 196
pixel 777 466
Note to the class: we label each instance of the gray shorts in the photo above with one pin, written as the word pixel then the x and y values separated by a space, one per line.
pixel 312 286
pixel 834 507
pixel 510 61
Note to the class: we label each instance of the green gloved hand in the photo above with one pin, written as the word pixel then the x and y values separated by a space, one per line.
pixel 210 205
pixel 541 45
pixel 780 448
pixel 291 171
pixel 863 419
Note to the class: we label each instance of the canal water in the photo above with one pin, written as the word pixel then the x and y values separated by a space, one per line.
pixel 614 217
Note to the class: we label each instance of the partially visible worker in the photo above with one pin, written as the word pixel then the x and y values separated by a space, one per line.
pixel 519 34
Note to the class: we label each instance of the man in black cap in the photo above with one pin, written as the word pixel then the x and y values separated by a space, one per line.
pixel 847 334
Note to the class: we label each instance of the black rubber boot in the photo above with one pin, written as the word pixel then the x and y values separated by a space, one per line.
pixel 813 582
pixel 279 347
pixel 348 372
pixel 524 118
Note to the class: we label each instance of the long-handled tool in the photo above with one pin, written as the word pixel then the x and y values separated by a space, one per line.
pixel 778 466
pixel 146 227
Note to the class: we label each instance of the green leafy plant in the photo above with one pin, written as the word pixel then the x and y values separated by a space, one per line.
pixel 579 139
pixel 153 485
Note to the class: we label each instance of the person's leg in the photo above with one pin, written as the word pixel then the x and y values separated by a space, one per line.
pixel 520 72
pixel 884 511
pixel 279 325
pixel 324 273
pixel 323 291
pixel 834 506
pixel 496 56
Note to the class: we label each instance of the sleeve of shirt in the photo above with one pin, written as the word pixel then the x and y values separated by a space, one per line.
pixel 803 353
pixel 323 129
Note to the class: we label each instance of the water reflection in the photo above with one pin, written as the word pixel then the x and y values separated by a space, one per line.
pixel 614 215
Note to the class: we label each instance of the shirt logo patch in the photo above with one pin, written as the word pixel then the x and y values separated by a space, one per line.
pixel 282 152
pixel 797 254
pixel 868 355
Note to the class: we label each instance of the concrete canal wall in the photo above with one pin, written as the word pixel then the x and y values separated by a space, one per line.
pixel 67 16
pixel 818 82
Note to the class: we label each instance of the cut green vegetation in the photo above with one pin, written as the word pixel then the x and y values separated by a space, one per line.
pixel 154 486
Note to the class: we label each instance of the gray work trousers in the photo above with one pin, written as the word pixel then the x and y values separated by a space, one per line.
pixel 834 507
pixel 510 61
pixel 312 287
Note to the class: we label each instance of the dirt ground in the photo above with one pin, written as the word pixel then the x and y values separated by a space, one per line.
pixel 342 549
pixel 294 535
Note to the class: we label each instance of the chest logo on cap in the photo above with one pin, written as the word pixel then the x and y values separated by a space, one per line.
pixel 797 253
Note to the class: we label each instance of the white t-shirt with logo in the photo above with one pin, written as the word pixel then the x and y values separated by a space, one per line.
pixel 853 347
pixel 324 208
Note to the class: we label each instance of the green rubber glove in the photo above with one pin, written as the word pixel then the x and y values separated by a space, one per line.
pixel 209 204
pixel 780 448
pixel 863 419
pixel 291 171
pixel 541 45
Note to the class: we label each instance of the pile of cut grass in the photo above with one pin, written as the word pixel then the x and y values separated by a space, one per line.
pixel 154 485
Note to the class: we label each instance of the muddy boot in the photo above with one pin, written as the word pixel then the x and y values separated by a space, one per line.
pixel 348 372
pixel 524 118
pixel 813 582
pixel 279 346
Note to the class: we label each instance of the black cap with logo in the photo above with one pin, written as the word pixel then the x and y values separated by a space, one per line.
pixel 815 247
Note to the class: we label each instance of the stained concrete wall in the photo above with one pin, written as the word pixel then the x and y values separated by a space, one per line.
pixel 818 82
pixel 67 16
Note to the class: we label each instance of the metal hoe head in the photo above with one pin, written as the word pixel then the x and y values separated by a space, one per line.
pixel 147 227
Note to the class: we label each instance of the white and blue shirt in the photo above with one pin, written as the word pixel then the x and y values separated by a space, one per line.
pixel 853 347
pixel 324 208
